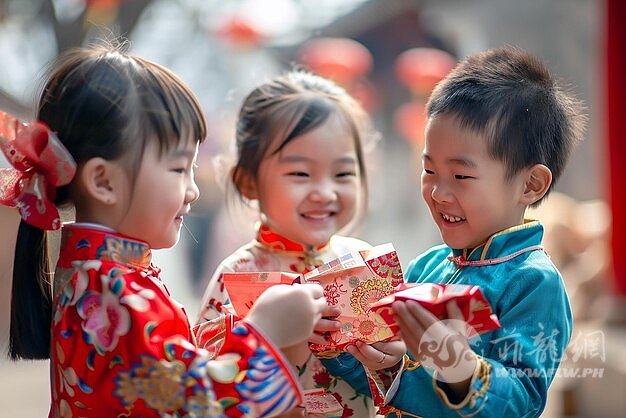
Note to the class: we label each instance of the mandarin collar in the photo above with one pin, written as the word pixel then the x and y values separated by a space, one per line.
pixel 82 241
pixel 276 242
pixel 504 244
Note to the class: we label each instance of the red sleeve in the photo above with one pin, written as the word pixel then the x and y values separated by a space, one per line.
pixel 121 345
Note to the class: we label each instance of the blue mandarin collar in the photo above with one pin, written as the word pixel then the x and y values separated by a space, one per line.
pixel 505 243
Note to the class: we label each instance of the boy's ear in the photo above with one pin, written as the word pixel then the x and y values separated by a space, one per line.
pixel 99 178
pixel 538 181
pixel 246 184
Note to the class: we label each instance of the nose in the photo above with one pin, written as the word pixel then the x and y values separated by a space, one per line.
pixel 323 192
pixel 440 193
pixel 193 192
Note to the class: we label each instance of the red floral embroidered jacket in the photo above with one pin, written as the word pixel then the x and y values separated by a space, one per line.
pixel 121 346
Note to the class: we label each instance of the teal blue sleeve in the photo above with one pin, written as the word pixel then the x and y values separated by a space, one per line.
pixel 348 368
pixel 518 361
pixel 525 353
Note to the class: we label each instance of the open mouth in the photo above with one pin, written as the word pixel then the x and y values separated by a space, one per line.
pixel 452 218
pixel 317 216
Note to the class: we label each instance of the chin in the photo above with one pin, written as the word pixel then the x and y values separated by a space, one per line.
pixel 317 239
pixel 452 243
pixel 167 243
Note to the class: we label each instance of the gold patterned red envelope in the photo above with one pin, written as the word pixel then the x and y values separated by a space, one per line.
pixel 246 287
pixel 473 305
pixel 353 283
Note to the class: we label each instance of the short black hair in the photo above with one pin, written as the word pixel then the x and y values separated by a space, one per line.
pixel 509 96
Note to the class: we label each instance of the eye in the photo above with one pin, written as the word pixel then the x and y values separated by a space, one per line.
pixel 346 174
pixel 298 174
pixel 427 171
pixel 462 177
pixel 179 170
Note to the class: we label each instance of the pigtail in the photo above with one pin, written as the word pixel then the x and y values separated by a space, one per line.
pixel 31 296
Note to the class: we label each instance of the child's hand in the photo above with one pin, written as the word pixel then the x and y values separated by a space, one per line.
pixel 378 356
pixel 287 314
pixel 439 345
pixel 326 325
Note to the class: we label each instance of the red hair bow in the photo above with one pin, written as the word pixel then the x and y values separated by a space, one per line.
pixel 41 164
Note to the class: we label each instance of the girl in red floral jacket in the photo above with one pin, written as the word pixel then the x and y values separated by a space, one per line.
pixel 117 137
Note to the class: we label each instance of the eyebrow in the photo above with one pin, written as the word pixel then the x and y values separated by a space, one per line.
pixel 303 158
pixel 464 162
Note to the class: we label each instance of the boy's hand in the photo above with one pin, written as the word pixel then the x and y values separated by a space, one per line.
pixel 439 345
pixel 287 314
pixel 326 325
pixel 378 356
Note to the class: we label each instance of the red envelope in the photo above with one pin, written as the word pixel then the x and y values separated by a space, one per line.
pixel 353 283
pixel 473 305
pixel 244 288
pixel 318 401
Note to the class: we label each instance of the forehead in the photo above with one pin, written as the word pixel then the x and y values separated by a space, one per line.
pixel 171 149
pixel 447 137
pixel 332 138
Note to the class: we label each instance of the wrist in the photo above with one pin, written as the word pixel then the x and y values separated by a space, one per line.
pixel 462 372
pixel 267 331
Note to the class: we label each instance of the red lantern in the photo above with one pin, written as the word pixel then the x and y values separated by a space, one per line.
pixel 364 93
pixel 240 32
pixel 101 12
pixel 103 4
pixel 409 121
pixel 340 59
pixel 421 69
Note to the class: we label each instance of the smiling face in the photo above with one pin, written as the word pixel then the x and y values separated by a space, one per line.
pixel 310 189
pixel 466 189
pixel 162 193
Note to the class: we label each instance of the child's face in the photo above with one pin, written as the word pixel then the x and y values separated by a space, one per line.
pixel 162 194
pixel 309 190
pixel 464 187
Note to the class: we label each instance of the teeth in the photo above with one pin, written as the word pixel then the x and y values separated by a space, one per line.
pixel 317 216
pixel 451 218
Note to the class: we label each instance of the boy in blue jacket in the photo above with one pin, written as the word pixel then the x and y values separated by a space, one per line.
pixel 498 136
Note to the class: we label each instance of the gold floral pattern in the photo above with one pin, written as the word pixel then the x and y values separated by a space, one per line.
pixel 161 384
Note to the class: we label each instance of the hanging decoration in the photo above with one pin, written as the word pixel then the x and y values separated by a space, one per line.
pixel 343 60
pixel 240 32
pixel 409 121
pixel 420 69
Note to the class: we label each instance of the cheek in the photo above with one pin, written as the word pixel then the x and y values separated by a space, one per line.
pixel 425 188
pixel 350 192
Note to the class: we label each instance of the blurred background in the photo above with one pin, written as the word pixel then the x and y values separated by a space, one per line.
pixel 388 54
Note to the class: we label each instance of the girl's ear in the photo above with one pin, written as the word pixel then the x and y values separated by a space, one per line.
pixel 245 184
pixel 538 180
pixel 100 179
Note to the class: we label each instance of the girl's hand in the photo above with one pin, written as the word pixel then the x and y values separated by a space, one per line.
pixel 439 345
pixel 378 356
pixel 325 325
pixel 287 314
